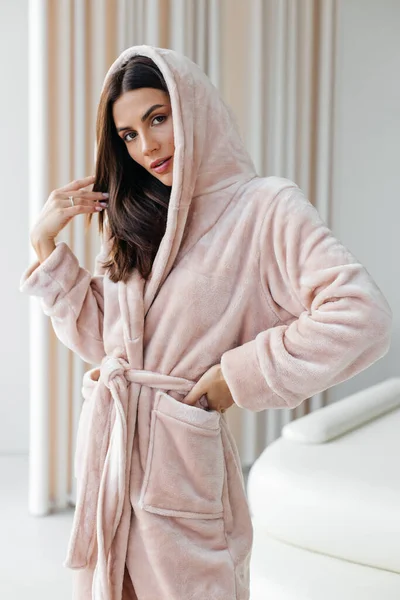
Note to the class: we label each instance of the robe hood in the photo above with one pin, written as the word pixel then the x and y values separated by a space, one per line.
pixel 210 160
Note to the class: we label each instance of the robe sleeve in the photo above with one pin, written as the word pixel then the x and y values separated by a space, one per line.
pixel 332 320
pixel 72 298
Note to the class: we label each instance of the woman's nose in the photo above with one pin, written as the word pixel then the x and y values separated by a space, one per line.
pixel 148 145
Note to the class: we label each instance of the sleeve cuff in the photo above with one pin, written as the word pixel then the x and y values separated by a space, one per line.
pixel 249 389
pixel 38 276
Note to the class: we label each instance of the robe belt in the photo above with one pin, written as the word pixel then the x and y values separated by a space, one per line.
pixel 102 495
pixel 112 366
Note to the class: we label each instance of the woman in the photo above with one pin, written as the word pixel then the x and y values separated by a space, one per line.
pixel 213 286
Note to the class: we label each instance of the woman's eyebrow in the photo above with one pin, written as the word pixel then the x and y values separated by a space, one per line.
pixel 145 116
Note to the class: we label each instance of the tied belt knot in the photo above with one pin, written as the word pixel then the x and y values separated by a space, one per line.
pixel 102 483
pixel 113 367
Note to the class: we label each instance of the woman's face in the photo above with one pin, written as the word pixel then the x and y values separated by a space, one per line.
pixel 143 121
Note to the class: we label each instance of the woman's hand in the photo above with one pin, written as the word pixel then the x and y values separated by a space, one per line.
pixel 213 385
pixel 58 210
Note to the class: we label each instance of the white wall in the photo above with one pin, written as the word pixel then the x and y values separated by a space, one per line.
pixel 366 199
pixel 14 239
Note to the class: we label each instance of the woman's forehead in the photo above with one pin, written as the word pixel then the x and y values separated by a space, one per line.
pixel 135 103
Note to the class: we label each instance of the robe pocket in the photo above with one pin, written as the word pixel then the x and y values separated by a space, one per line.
pixel 89 383
pixel 185 467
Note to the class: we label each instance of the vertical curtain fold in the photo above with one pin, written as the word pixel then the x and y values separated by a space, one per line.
pixel 273 61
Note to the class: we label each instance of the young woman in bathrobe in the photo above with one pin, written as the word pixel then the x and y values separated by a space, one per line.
pixel 214 286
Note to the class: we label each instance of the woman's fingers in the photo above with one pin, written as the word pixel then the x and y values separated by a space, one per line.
pixel 58 211
pixel 80 209
pixel 82 189
pixel 87 188
pixel 87 197
pixel 197 391
pixel 214 388
pixel 91 195
pixel 83 208
pixel 78 183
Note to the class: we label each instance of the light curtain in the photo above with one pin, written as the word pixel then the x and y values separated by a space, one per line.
pixel 273 62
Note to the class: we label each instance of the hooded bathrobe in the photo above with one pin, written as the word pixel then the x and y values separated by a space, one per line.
pixel 247 275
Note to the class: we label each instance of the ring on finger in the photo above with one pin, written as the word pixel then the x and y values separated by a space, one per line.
pixel 71 199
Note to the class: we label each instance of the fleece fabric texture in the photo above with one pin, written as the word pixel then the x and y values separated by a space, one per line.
pixel 247 275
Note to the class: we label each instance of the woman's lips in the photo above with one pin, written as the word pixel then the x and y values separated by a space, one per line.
pixel 163 167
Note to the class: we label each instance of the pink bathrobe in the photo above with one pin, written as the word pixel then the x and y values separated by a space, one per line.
pixel 247 275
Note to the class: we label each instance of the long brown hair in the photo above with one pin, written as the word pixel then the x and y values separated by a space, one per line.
pixel 138 202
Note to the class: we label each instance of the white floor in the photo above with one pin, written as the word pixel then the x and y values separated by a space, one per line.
pixel 32 549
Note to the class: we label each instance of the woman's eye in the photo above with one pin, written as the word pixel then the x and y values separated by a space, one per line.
pixel 159 117
pixel 126 137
